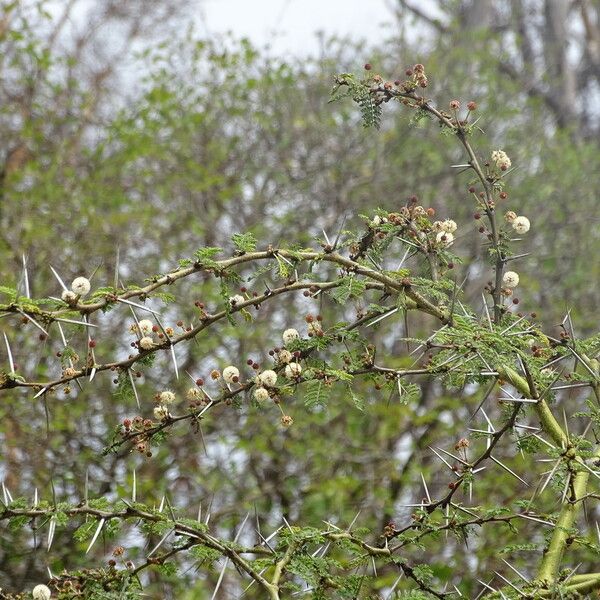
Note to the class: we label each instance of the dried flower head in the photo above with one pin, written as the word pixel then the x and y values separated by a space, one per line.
pixel 377 220
pixel 286 420
pixel 510 216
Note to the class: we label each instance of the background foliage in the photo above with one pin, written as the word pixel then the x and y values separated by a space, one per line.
pixel 214 137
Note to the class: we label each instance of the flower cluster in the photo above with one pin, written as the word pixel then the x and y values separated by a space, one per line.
pixel 519 223
pixel 164 399
pixel 444 232
pixel 80 286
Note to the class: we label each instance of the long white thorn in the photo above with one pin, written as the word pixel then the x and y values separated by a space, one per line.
pixel 26 277
pixel 11 362
pixel 62 283
pixel 96 534
pixel 509 470
pixel 515 570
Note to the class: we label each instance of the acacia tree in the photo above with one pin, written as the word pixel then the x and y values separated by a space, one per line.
pixel 524 375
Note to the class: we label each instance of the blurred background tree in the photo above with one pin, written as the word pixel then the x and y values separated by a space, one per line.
pixel 129 140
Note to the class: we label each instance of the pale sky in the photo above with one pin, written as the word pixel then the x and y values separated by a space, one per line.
pixel 289 26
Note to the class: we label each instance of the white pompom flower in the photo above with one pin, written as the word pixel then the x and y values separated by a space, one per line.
pixel 146 343
pixel 267 378
pixel 167 397
pixel 521 224
pixel 261 394
pixel 293 370
pixel 289 335
pixel 449 226
pixel 510 279
pixel 445 238
pixel 236 300
pixel 68 296
pixel 231 374
pixel 41 592
pixel 81 286
pixel 145 326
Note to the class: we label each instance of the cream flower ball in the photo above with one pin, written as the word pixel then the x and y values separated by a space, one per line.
pixel 449 226
pixel 521 224
pixel 236 300
pixel 445 238
pixel 81 286
pixel 41 592
pixel 293 370
pixel 510 279
pixel 145 326
pixel 267 378
pixel 167 397
pixel 501 159
pixel 231 374
pixel 261 394
pixel 146 343
pixel 68 296
pixel 289 335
